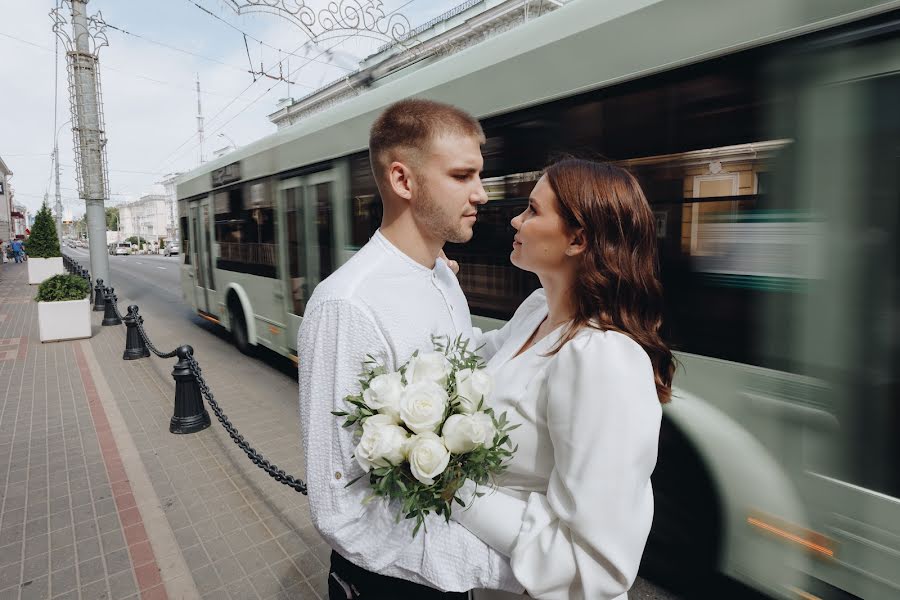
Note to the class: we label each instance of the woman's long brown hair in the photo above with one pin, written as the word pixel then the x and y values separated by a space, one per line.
pixel 616 287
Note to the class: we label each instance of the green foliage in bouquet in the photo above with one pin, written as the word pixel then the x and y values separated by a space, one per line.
pixel 63 287
pixel 43 243
pixel 480 464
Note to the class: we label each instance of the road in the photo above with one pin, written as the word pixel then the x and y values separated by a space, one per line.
pixel 152 282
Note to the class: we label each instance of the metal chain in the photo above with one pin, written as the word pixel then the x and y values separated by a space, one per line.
pixel 258 459
pixel 116 308
pixel 140 326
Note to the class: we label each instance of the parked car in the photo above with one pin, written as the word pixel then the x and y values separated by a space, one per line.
pixel 123 248
pixel 172 249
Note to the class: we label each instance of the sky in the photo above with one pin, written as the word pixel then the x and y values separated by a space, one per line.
pixel 149 86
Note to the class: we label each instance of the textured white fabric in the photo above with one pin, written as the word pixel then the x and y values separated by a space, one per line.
pixel 382 303
pixel 575 506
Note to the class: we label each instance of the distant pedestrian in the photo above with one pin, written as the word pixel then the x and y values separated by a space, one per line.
pixel 4 249
pixel 18 250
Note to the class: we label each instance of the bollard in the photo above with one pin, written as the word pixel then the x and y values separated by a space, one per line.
pixel 190 414
pixel 109 312
pixel 134 344
pixel 99 302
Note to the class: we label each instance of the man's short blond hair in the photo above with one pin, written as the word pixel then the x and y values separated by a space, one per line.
pixel 410 125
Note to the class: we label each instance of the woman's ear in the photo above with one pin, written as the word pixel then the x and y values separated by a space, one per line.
pixel 577 243
pixel 399 177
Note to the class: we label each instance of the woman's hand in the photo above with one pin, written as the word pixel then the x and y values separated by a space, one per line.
pixel 454 266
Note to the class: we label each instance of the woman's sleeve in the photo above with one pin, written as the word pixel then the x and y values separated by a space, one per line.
pixel 585 537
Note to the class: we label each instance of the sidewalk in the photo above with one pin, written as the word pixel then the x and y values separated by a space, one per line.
pixel 97 498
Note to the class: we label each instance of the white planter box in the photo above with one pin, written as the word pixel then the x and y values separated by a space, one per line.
pixel 68 320
pixel 40 269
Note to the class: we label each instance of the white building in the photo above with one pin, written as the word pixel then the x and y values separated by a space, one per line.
pixel 19 217
pixel 460 27
pixel 147 217
pixel 6 207
pixel 168 183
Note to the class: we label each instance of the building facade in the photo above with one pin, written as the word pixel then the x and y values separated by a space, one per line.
pixel 5 202
pixel 168 183
pixel 147 217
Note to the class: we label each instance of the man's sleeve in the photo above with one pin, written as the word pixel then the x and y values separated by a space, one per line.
pixel 333 342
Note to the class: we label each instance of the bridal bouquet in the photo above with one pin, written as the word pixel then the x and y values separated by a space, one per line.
pixel 423 430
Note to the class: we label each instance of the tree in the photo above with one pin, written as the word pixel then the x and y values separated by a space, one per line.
pixel 112 219
pixel 43 242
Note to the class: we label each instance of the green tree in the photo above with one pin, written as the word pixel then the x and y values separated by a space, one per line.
pixel 43 242
pixel 112 219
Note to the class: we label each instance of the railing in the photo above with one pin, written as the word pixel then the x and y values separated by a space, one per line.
pixel 189 413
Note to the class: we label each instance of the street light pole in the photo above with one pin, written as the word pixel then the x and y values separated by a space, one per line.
pixel 58 205
pixel 88 35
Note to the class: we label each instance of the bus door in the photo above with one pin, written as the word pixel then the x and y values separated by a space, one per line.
pixel 312 238
pixel 202 255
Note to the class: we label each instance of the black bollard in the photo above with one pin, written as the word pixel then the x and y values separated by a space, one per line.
pixel 134 344
pixel 99 302
pixel 109 312
pixel 190 414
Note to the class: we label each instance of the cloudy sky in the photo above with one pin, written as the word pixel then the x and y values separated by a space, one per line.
pixel 148 83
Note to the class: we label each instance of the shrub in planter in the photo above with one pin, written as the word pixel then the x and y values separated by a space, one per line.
pixel 64 312
pixel 44 257
pixel 64 287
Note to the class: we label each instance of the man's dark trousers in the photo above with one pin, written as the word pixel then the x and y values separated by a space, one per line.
pixel 346 581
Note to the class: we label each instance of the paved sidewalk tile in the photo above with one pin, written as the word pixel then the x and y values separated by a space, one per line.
pixel 100 501
pixel 242 535
pixel 57 467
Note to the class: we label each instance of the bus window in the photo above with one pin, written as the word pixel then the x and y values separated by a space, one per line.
pixel 293 198
pixel 185 240
pixel 324 226
pixel 245 230
pixel 365 205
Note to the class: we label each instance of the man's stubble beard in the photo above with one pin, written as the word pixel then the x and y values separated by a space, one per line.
pixel 438 224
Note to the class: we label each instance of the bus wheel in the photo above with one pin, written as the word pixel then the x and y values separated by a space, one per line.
pixel 683 548
pixel 238 327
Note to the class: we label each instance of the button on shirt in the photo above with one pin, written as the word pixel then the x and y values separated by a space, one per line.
pixel 380 303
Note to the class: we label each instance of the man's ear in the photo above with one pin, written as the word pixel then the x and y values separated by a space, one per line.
pixel 399 176
pixel 577 243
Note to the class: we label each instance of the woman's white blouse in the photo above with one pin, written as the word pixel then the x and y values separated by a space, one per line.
pixel 575 506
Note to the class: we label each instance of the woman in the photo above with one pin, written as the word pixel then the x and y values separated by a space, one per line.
pixel 582 367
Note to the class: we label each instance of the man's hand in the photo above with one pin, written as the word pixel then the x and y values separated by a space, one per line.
pixel 454 266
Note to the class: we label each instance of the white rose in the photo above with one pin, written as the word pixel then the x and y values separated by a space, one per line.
pixel 464 433
pixel 427 457
pixel 382 443
pixel 472 387
pixel 422 406
pixel 383 395
pixel 430 366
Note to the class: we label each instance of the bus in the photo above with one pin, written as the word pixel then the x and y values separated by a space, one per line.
pixel 766 136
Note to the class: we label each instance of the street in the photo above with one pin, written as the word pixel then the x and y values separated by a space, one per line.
pixel 152 282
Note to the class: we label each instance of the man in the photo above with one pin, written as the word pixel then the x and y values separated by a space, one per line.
pixel 18 250
pixel 387 301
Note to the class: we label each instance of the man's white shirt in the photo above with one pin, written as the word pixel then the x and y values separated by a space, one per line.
pixel 381 303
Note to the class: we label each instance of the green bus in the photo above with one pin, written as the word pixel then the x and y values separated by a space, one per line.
pixel 766 135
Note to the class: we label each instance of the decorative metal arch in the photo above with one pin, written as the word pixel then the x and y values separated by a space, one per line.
pixel 341 18
pixel 96 29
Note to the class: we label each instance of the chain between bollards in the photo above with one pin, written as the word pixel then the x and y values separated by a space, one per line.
pixel 258 459
pixel 139 323
pixel 190 415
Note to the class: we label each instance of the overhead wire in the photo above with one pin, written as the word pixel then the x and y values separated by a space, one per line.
pixel 261 96
pixel 256 39
pixel 118 70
